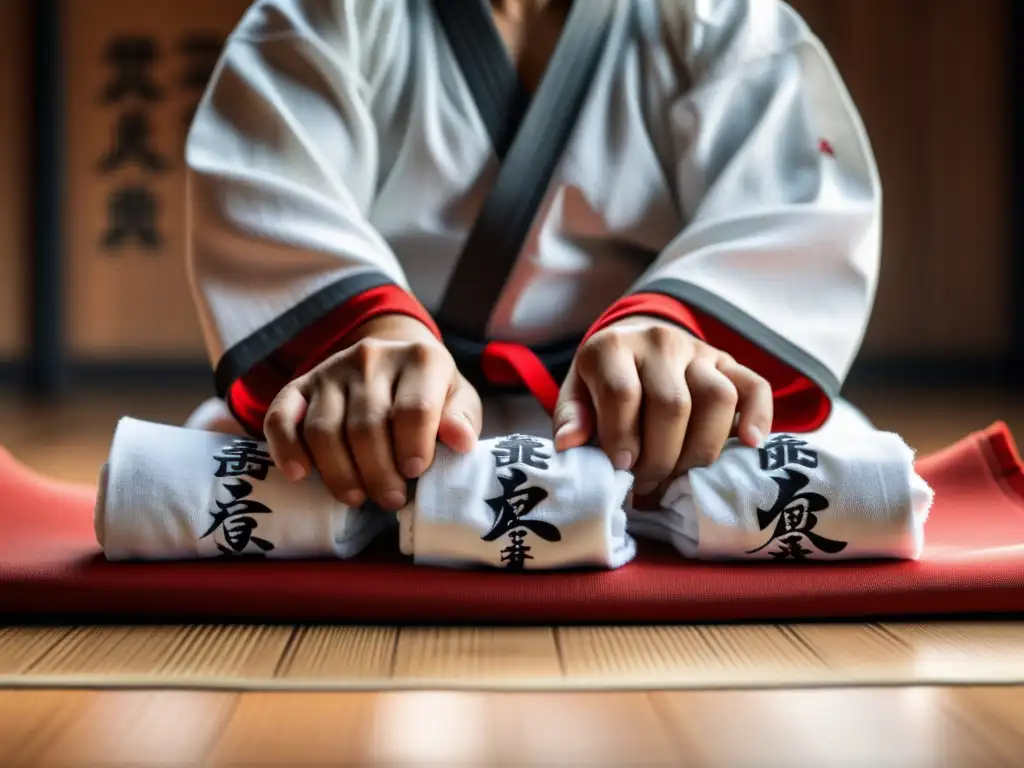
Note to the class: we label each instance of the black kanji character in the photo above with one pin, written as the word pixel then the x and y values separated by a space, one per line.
pixel 791 547
pixel 243 457
pixel 201 51
pixel 132 144
pixel 132 214
pixel 234 519
pixel 516 553
pixel 514 504
pixel 794 513
pixel 781 450
pixel 133 59
pixel 520 449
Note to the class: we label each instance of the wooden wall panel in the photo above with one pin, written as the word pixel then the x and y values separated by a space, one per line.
pixel 929 76
pixel 132 85
pixel 931 79
pixel 15 195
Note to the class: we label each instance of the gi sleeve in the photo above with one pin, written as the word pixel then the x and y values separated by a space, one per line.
pixel 283 164
pixel 778 260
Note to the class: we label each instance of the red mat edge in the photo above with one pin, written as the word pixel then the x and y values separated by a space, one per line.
pixel 1005 458
pixel 996 443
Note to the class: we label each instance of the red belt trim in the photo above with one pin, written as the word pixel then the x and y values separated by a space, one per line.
pixel 508 364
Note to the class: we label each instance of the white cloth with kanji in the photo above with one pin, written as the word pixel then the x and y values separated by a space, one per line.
pixel 170 493
pixel 513 502
pixel 830 495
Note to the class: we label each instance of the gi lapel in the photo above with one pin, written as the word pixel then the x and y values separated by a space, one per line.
pixel 508 213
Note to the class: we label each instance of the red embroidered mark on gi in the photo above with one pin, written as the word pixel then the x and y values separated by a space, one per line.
pixel 826 148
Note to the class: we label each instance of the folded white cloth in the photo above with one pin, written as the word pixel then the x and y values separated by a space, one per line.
pixel 833 495
pixel 514 503
pixel 169 493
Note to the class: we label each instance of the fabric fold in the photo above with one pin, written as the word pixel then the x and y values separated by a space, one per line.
pixel 827 496
pixel 170 493
pixel 514 502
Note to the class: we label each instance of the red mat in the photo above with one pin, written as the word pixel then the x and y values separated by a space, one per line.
pixel 50 568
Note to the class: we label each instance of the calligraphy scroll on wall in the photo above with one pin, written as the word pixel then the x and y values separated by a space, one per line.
pixel 15 191
pixel 135 72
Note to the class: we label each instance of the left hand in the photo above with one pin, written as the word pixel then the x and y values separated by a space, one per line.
pixel 662 401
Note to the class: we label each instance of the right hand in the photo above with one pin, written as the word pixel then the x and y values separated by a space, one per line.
pixel 368 417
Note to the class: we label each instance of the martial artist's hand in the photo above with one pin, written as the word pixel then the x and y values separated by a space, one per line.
pixel 663 401
pixel 369 416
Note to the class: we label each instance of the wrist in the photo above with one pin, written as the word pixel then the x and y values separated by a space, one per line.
pixel 397 327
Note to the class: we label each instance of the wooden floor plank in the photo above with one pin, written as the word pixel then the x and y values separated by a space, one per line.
pixel 340 653
pixel 30 720
pixel 444 729
pixel 167 651
pixel 687 655
pixel 869 727
pixel 21 647
pixel 493 653
pixel 138 728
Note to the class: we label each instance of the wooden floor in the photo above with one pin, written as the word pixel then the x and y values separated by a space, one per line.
pixel 898 726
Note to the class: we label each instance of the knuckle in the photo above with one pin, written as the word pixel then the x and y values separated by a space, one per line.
pixel 421 352
pixel 415 410
pixel 620 388
pixel 721 391
pixel 365 422
pixel 762 386
pixel 662 337
pixel 589 356
pixel 275 422
pixel 366 352
pixel 320 433
pixel 675 400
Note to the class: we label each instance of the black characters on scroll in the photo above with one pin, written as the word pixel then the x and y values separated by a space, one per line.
pixel 236 519
pixel 794 514
pixel 134 155
pixel 517 500
pixel 132 205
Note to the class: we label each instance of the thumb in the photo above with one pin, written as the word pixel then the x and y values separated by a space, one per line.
pixel 462 417
pixel 573 417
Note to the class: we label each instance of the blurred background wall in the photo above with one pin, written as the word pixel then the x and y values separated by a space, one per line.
pixel 932 78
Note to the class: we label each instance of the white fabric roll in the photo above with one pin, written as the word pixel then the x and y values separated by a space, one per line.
pixel 514 503
pixel 833 495
pixel 169 493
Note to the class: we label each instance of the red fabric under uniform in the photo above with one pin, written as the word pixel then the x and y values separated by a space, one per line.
pixel 51 567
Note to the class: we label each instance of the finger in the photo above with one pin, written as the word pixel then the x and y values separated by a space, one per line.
pixel 610 373
pixel 666 414
pixel 281 428
pixel 367 430
pixel 573 419
pixel 416 414
pixel 756 405
pixel 462 417
pixel 322 433
pixel 714 399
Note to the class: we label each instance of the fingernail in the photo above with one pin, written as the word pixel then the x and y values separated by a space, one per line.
pixel 623 460
pixel 413 468
pixel 393 500
pixel 354 499
pixel 757 436
pixel 645 489
pixel 293 470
